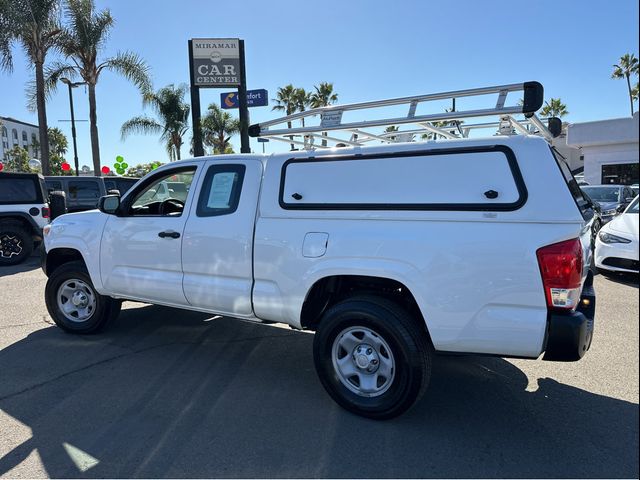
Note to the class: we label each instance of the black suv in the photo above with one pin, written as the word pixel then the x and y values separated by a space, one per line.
pixel 24 211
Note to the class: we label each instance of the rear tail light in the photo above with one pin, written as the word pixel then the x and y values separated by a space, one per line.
pixel 561 269
pixel 46 213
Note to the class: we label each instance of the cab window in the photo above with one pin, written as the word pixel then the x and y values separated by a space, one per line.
pixel 220 193
pixel 165 195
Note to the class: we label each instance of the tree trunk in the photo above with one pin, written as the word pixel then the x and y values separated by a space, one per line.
pixel 630 96
pixel 293 146
pixel 93 120
pixel 42 119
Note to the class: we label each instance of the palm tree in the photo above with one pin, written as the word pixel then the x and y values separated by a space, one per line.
pixel 287 100
pixel 323 97
pixel 172 118
pixel 218 127
pixel 635 92
pixel 554 108
pixel 627 66
pixel 302 101
pixel 391 129
pixel 81 43
pixel 35 25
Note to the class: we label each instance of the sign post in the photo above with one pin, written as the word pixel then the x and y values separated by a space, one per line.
pixel 244 108
pixel 215 63
pixel 198 149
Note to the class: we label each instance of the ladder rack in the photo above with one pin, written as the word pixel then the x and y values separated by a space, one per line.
pixel 448 124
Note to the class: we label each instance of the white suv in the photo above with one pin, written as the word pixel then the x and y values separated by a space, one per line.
pixel 24 211
pixel 389 254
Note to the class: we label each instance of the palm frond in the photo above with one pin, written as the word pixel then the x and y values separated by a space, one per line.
pixel 7 30
pixel 87 29
pixel 130 66
pixel 52 75
pixel 141 125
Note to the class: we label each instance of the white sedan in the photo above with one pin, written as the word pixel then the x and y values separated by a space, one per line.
pixel 617 242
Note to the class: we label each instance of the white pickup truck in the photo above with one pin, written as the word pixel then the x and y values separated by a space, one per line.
pixel 390 254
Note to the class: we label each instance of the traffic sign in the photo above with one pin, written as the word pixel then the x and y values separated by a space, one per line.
pixel 255 98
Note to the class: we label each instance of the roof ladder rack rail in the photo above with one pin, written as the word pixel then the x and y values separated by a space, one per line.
pixel 331 117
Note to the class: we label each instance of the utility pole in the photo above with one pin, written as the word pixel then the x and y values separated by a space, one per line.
pixel 71 86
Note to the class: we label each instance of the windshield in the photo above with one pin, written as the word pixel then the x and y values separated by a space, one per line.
pixel 603 194
pixel 633 208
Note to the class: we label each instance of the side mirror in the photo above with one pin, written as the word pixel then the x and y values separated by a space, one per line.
pixel 628 199
pixel 621 208
pixel 109 204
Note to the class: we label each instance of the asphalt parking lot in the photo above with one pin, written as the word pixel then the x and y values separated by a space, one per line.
pixel 169 393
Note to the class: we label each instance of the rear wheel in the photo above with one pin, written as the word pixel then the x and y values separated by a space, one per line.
pixel 16 243
pixel 372 357
pixel 73 302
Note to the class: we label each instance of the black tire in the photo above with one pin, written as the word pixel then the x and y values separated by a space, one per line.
pixel 57 203
pixel 407 339
pixel 104 310
pixel 16 243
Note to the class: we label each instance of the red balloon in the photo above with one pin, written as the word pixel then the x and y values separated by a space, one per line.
pixel 1 166
pixel 105 169
pixel 66 167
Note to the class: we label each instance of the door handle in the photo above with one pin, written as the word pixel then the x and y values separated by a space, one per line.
pixel 169 233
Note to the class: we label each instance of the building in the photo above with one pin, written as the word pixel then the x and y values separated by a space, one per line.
pixel 609 148
pixel 15 132
pixel 572 155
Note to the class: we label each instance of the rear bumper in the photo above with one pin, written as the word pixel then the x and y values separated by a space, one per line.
pixel 569 334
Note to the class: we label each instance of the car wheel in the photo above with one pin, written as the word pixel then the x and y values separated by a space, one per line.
pixel 372 357
pixel 73 302
pixel 16 243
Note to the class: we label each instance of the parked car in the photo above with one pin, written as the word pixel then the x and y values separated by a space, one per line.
pixel 370 248
pixel 83 193
pixel 613 199
pixel 24 211
pixel 617 243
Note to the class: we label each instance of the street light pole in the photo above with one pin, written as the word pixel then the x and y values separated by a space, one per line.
pixel 71 86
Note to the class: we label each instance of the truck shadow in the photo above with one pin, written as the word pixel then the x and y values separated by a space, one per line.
pixel 170 393
pixel 629 279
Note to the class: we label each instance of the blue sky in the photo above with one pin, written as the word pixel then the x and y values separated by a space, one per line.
pixel 368 49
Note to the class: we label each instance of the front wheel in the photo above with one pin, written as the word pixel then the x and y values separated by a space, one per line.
pixel 74 304
pixel 372 357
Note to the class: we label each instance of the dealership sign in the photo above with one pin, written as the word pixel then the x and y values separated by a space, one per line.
pixel 216 62
pixel 255 98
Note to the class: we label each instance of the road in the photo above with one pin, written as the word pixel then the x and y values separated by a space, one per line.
pixel 169 393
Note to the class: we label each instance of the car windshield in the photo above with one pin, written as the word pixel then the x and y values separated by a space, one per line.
pixel 633 208
pixel 603 194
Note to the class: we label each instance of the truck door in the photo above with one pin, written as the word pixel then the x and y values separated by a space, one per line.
pixel 140 254
pixel 217 250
